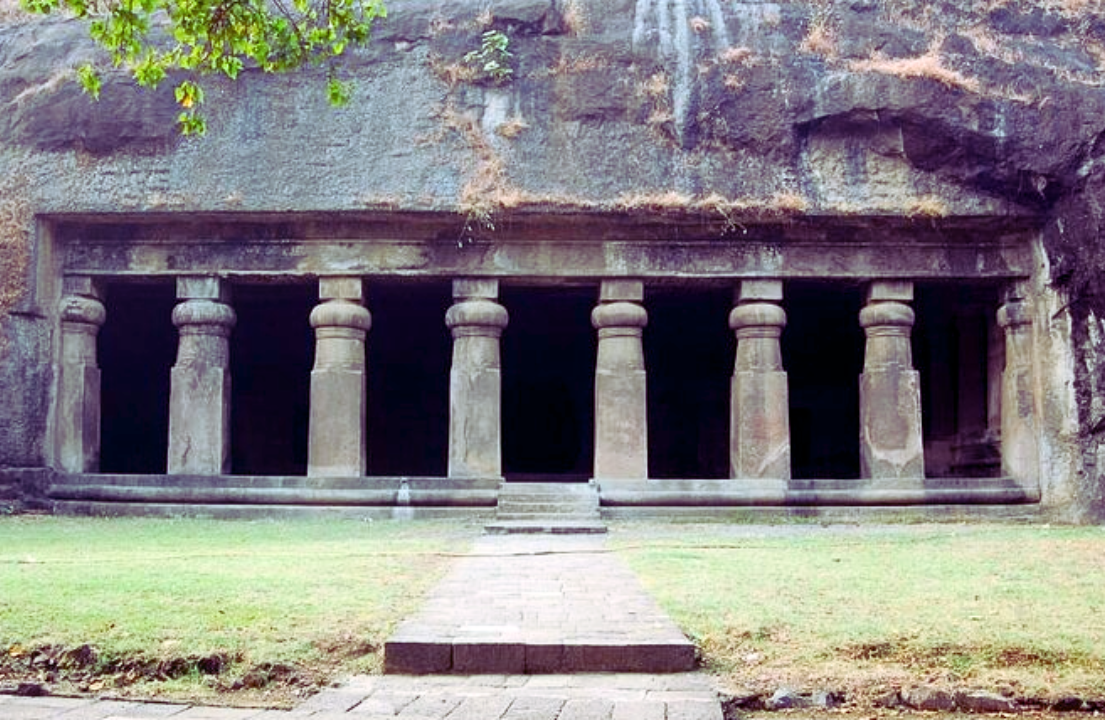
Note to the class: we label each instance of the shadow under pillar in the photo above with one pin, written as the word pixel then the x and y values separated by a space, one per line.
pixel 199 399
pixel 621 421
pixel 337 430
pixel 759 429
pixel 476 321
pixel 891 446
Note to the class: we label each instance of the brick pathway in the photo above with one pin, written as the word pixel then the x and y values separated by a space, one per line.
pixel 587 696
pixel 519 604
pixel 539 604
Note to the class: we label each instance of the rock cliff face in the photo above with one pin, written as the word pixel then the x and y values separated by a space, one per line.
pixel 714 109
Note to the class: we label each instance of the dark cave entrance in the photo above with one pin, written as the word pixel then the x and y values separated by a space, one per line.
pixel 136 348
pixel 689 353
pixel 548 363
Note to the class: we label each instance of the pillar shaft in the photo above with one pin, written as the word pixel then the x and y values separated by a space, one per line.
pixel 337 443
pixel 82 315
pixel 1019 450
pixel 621 419
pixel 891 448
pixel 199 399
pixel 476 321
pixel 759 428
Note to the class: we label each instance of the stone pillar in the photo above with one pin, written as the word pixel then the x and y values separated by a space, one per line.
pixel 759 428
pixel 891 447
pixel 336 447
pixel 199 399
pixel 82 315
pixel 621 420
pixel 475 386
pixel 1019 452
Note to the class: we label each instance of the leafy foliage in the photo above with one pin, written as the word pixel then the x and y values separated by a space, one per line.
pixel 153 38
pixel 492 60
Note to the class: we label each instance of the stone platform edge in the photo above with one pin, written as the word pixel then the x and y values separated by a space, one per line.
pixel 814 493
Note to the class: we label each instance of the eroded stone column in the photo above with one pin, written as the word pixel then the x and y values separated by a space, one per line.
pixel 475 386
pixel 199 400
pixel 82 315
pixel 337 442
pixel 1019 451
pixel 759 428
pixel 621 420
pixel 891 447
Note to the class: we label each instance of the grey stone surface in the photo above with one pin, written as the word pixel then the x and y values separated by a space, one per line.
pixel 602 696
pixel 475 384
pixel 982 701
pixel 337 432
pixel 891 443
pixel 645 150
pixel 759 425
pixel 621 420
pixel 927 697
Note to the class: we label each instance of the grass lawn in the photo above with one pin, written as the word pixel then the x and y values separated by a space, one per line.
pixel 1019 608
pixel 273 608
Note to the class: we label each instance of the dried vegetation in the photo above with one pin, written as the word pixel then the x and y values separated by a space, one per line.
pixel 929 66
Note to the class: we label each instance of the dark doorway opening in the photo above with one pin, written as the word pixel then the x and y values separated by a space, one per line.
pixel 823 346
pixel 271 352
pixel 689 353
pixel 959 351
pixel 548 359
pixel 136 349
pixel 408 358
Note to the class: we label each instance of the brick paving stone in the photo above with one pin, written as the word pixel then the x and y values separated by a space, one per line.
pixel 218 713
pixel 95 710
pixel 435 706
pixel 638 710
pixel 586 709
pixel 693 710
pixel 533 708
pixel 490 707
pixel 334 700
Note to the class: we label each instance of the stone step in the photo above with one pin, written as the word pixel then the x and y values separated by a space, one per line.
pixel 552 508
pixel 545 507
pixel 550 526
pixel 540 488
pixel 548 517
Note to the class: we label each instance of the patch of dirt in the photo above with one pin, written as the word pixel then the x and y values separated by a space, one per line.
pixel 227 678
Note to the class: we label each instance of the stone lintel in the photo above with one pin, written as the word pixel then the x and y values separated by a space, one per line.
pixel 622 290
pixel 895 290
pixel 471 288
pixel 345 287
pixel 83 285
pixel 202 287
pixel 760 291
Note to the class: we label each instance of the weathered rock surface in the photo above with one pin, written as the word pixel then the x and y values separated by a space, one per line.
pixel 927 697
pixel 870 109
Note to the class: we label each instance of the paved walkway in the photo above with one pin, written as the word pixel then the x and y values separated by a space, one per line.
pixel 588 696
pixel 522 604
pixel 539 604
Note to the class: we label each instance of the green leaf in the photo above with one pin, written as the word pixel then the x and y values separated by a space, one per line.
pixel 90 81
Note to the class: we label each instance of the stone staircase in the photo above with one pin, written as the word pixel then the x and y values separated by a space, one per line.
pixel 547 507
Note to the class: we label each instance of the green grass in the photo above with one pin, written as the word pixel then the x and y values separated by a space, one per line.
pixel 1018 606
pixel 304 593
